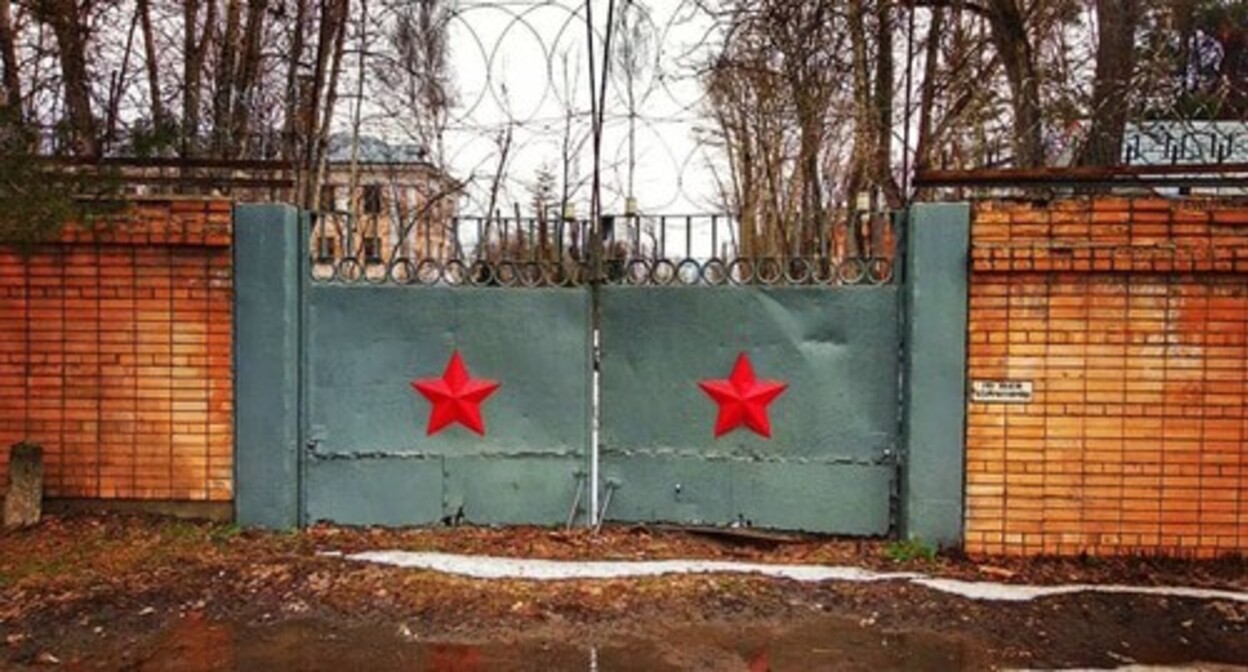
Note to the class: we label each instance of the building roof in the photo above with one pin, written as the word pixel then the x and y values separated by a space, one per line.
pixel 374 150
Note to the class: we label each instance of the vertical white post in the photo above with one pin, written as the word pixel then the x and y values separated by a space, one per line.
pixel 595 415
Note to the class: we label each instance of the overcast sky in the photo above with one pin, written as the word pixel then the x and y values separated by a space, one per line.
pixel 520 64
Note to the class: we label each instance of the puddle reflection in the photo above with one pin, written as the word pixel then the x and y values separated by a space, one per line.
pixel 818 644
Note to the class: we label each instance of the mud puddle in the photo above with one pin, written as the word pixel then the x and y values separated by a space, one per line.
pixel 817 644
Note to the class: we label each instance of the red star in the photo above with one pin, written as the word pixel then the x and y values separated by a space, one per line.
pixel 456 397
pixel 743 399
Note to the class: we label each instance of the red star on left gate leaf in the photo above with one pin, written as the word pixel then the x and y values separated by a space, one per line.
pixel 743 399
pixel 456 397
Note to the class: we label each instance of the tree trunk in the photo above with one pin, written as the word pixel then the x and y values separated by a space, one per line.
pixel 338 31
pixel 153 66
pixel 1115 64
pixel 864 114
pixel 310 116
pixel 62 16
pixel 226 71
pixel 193 71
pixel 1013 44
pixel 927 96
pixel 8 54
pixel 291 126
pixel 118 83
pixel 246 74
pixel 881 168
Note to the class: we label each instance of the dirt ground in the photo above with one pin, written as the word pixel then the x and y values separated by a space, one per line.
pixel 126 592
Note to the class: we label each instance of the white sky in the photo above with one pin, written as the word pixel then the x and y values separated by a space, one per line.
pixel 508 69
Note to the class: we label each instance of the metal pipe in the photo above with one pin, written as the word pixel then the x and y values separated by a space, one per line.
pixel 612 485
pixel 1213 173
pixel 576 501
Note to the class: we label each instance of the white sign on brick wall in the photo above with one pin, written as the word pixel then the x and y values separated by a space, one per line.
pixel 1001 391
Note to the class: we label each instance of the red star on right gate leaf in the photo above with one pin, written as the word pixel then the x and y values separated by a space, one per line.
pixel 743 399
pixel 456 397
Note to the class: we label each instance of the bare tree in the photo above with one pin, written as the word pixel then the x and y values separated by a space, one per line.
pixel 8 58
pixel 64 17
pixel 152 63
pixel 632 59
pixel 194 55
pixel 1116 22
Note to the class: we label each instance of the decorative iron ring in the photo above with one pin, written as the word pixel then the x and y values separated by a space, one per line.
pixel 795 277
pixel 637 272
pixel 349 270
pixel 825 271
pixel 505 273
pixel 659 276
pixel 454 272
pixel 690 267
pixel 428 272
pixel 741 271
pixel 769 271
pixel 531 274
pixel 880 271
pixel 481 273
pixel 553 274
pixel 409 271
pixel 714 272
pixel 852 271
pixel 330 274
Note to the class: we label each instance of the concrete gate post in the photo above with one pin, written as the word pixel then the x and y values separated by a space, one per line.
pixel 934 394
pixel 267 302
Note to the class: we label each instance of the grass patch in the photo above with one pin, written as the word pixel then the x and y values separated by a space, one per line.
pixel 909 550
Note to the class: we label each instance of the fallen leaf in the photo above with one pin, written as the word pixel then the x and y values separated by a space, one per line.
pixel 999 572
pixel 1126 660
pixel 1228 612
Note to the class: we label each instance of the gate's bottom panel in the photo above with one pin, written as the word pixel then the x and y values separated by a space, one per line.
pixel 399 491
pixel 812 497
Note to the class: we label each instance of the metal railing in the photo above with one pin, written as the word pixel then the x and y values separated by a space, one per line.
pixel 660 250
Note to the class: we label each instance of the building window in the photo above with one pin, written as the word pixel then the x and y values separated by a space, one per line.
pixel 329 199
pixel 372 199
pixel 325 248
pixel 372 249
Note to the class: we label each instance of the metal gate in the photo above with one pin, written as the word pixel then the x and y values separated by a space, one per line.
pixel 648 369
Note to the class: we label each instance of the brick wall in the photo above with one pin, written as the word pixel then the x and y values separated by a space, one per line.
pixel 115 355
pixel 1130 317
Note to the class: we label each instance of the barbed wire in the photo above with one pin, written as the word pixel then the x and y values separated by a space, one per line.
pixel 520 71
pixel 516 130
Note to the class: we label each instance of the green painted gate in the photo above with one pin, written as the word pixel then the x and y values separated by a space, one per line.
pixel 830 463
pixel 377 323
pixel 615 351
pixel 825 322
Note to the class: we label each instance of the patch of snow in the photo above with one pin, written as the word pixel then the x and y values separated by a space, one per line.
pixel 488 567
pixel 986 590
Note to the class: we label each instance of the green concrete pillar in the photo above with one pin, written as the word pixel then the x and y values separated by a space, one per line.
pixel 936 282
pixel 267 300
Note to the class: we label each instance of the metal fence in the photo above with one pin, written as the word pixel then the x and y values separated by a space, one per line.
pixel 651 250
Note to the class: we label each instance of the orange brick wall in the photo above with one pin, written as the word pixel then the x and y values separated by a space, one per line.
pixel 1130 316
pixel 115 355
